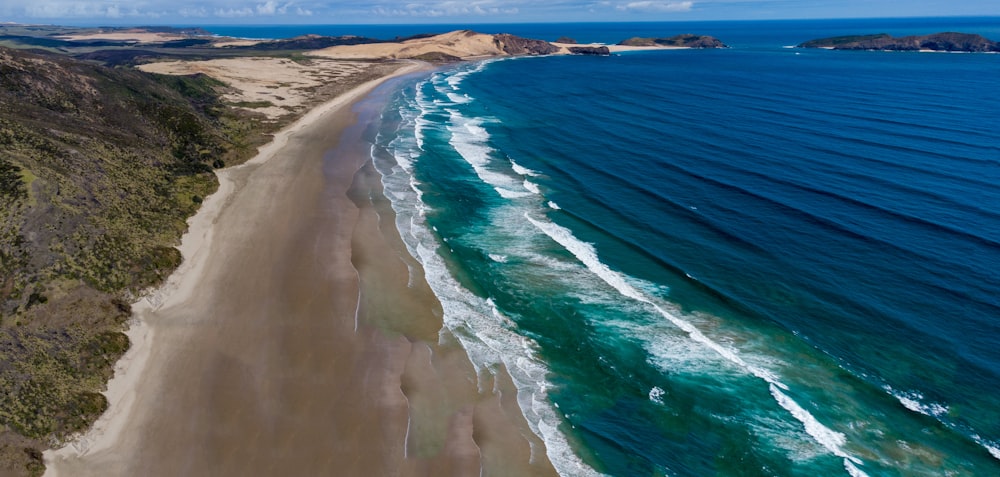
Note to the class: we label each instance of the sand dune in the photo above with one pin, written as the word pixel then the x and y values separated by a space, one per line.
pixel 137 35
pixel 464 44
pixel 273 86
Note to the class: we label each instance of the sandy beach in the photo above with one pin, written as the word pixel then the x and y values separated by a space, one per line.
pixel 292 340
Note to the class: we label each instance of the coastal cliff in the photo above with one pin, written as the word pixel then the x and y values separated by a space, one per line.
pixel 517 46
pixel 946 41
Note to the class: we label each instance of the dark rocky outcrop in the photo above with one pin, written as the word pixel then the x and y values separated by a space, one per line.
pixel 590 50
pixel 947 41
pixel 515 45
pixel 437 57
pixel 566 40
pixel 686 40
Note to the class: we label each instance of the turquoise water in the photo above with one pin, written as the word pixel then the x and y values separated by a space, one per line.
pixel 753 261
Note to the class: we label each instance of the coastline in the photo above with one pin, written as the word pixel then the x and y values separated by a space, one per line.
pixel 258 400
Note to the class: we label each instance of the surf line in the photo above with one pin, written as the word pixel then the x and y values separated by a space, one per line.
pixel 832 440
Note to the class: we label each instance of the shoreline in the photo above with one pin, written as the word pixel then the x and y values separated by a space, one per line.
pixel 195 247
pixel 147 363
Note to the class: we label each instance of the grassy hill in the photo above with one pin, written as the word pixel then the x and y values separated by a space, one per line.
pixel 99 168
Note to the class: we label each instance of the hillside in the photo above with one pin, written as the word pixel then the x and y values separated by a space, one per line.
pixel 99 168
pixel 461 44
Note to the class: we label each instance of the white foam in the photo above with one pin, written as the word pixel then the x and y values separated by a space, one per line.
pixel 498 258
pixel 456 78
pixel 831 440
pixel 511 194
pixel 483 331
pixel 585 252
pixel 788 435
pixel 852 469
pixel 418 131
pixel 421 122
pixel 913 400
pixel 554 206
pixel 992 447
pixel 656 395
pixel 489 337
pixel 524 171
pixel 459 99
pixel 471 140
pixel 532 187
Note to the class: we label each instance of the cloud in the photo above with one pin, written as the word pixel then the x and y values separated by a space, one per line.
pixel 120 9
pixel 234 12
pixel 447 8
pixel 271 8
pixel 200 12
pixel 71 9
pixel 655 7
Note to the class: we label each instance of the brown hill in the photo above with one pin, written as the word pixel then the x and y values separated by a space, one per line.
pixel 463 44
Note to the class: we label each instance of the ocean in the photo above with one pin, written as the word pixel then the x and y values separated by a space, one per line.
pixel 760 260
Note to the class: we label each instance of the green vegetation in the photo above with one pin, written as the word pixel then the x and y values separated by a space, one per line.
pixel 253 104
pixel 99 169
pixel 842 40
pixel 685 40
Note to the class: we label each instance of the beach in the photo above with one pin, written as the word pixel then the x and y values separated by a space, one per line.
pixel 299 337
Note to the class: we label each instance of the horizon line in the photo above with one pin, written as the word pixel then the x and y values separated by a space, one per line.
pixel 87 24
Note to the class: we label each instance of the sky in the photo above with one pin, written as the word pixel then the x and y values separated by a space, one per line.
pixel 216 12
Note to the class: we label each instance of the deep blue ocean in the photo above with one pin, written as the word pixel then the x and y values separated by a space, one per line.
pixel 753 261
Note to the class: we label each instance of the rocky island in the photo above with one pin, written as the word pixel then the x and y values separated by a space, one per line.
pixel 946 41
pixel 686 40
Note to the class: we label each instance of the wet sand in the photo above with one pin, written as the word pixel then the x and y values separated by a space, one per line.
pixel 292 343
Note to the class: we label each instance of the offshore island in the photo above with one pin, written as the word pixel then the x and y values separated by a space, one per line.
pixel 284 334
pixel 946 41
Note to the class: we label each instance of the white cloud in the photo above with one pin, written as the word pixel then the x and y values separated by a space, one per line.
pixel 654 6
pixel 64 9
pixel 272 8
pixel 120 9
pixel 447 8
pixel 234 12
pixel 193 12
